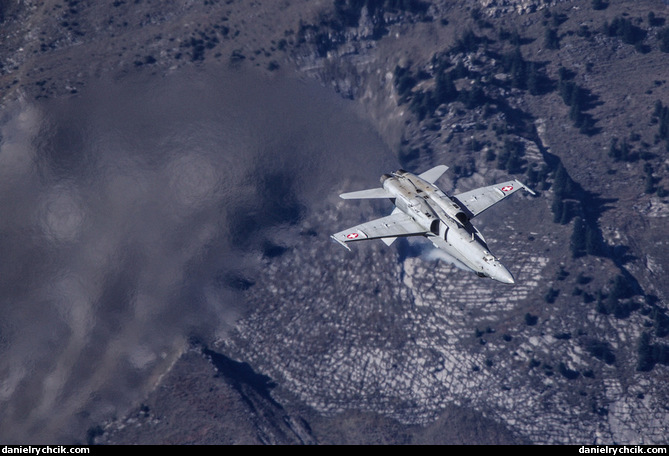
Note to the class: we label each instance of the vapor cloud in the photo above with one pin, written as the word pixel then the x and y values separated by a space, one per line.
pixel 132 217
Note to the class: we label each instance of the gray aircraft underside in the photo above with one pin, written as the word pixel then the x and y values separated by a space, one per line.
pixel 422 209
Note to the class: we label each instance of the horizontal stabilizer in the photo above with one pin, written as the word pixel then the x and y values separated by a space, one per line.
pixel 367 194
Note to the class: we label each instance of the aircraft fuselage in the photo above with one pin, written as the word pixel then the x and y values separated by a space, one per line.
pixel 446 223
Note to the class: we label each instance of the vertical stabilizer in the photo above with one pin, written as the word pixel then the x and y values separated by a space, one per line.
pixel 433 174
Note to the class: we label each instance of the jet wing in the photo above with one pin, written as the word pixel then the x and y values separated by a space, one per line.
pixel 480 199
pixel 395 225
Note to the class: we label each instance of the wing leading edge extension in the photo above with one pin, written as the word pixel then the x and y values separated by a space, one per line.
pixel 480 199
pixel 397 224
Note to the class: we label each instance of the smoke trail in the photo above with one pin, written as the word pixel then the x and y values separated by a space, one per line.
pixel 133 217
pixel 421 248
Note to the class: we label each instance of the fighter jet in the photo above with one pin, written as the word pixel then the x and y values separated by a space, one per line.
pixel 422 209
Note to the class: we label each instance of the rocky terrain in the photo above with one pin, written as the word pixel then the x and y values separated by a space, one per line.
pixel 390 345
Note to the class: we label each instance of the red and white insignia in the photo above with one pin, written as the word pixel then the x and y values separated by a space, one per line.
pixel 507 188
pixel 352 236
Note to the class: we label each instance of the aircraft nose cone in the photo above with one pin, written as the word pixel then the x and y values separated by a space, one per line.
pixel 501 274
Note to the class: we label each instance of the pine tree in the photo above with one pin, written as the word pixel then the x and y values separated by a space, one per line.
pixel 577 98
pixel 557 208
pixel 586 124
pixel 404 82
pixel 422 104
pixel 663 35
pixel 445 91
pixel 658 109
pixel 646 360
pixel 613 150
pixel 650 182
pixel 468 42
pixel 566 89
pixel 514 164
pixel 598 4
pixel 460 71
pixel 551 40
pixel 592 242
pixel 563 74
pixel 578 238
pixel 533 79
pixel 475 97
pixel 518 70
pixel 664 120
pixel 567 212
pixel 624 150
pixel 561 186
pixel 576 115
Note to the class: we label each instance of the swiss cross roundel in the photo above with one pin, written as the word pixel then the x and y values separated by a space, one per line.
pixel 507 188
pixel 352 236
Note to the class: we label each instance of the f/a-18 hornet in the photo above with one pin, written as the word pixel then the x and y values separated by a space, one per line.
pixel 422 209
